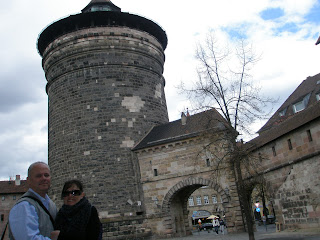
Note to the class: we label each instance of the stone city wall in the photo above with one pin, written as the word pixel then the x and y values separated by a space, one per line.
pixel 293 176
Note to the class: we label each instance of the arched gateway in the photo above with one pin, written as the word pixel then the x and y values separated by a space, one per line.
pixel 176 159
pixel 174 206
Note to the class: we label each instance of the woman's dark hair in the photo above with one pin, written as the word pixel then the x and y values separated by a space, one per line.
pixel 69 183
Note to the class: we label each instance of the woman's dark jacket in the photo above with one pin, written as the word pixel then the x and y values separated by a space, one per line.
pixel 78 222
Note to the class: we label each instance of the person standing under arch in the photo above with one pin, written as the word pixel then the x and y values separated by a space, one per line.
pixel 216 225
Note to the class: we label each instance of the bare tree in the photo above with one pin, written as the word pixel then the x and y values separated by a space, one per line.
pixel 225 84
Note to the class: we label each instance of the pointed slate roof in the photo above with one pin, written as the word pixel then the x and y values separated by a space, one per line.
pixel 178 130
pixel 92 15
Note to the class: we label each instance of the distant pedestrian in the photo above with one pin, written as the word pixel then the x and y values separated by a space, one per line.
pixel 221 222
pixel 199 227
pixel 215 224
pixel 264 220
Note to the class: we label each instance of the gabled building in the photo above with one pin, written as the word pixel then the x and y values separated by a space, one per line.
pixel 178 162
pixel 288 147
pixel 10 192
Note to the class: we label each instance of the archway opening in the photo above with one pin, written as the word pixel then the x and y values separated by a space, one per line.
pixel 262 204
pixel 179 213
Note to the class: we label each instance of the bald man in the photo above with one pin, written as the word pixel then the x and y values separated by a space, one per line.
pixel 33 215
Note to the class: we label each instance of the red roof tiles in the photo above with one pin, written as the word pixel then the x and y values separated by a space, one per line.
pixel 9 187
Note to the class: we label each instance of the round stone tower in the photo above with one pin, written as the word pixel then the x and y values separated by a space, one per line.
pixel 106 90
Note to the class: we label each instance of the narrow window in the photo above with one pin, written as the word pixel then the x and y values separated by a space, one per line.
pixel 3 198
pixel 199 200
pixel 2 217
pixel 260 157
pixel 289 144
pixel 191 202
pixel 208 162
pixel 206 200
pixel 309 135
pixel 274 151
pixel 14 197
pixel 155 172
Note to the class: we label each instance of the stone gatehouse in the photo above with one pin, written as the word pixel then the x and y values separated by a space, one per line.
pixel 174 161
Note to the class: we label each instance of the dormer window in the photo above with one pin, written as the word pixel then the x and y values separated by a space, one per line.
pixel 299 106
pixel 283 112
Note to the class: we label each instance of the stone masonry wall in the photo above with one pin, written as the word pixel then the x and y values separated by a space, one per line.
pixel 106 90
pixel 181 170
pixel 293 176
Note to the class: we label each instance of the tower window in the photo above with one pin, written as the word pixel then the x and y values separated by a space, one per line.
pixel 274 151
pixel 155 172
pixel 309 135
pixel 208 162
pixel 289 144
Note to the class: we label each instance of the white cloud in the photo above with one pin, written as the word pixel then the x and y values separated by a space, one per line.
pixel 287 57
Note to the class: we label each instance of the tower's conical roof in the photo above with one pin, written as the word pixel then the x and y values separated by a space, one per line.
pixel 99 13
pixel 101 5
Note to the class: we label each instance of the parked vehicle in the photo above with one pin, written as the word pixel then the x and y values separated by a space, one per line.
pixel 205 226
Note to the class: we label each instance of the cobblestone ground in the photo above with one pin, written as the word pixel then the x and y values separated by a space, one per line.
pixel 261 234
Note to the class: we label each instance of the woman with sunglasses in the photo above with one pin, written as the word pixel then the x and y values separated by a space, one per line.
pixel 77 219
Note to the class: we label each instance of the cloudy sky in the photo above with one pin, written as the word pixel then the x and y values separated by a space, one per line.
pixel 283 31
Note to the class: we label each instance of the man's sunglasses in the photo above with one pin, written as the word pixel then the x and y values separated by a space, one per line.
pixel 73 193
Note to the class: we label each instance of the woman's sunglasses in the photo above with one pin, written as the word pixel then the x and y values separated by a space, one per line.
pixel 73 193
